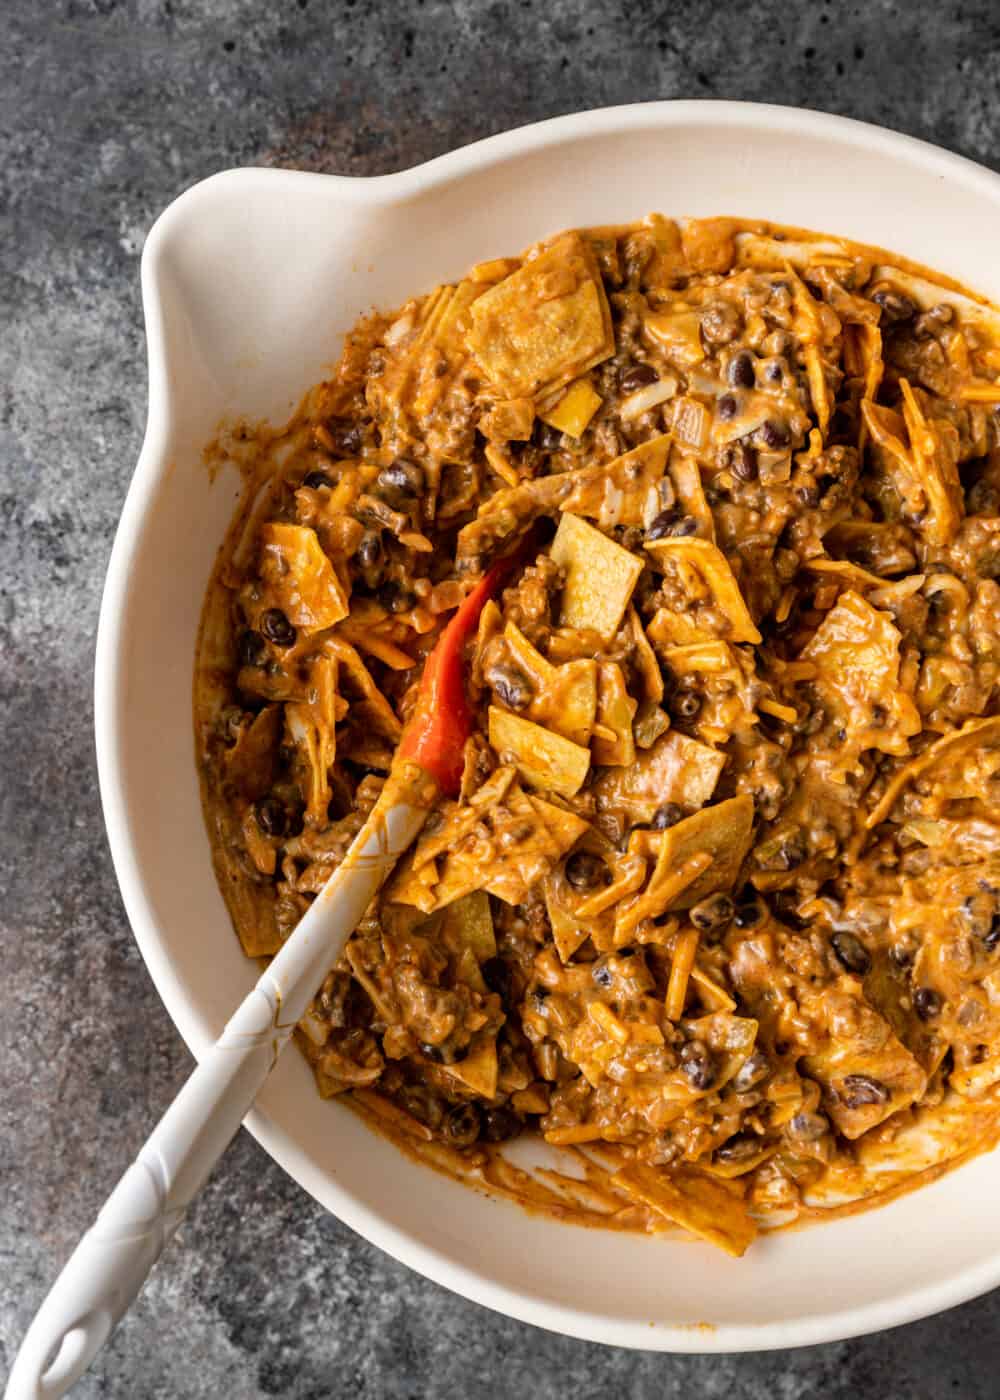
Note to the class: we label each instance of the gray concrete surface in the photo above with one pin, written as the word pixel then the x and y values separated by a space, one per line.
pixel 107 109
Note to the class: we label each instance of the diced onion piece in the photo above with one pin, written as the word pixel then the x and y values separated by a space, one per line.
pixel 647 397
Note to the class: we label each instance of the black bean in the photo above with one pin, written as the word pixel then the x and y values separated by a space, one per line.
pixel 251 648
pixel 395 598
pixel 741 460
pixel 901 956
pixel 751 1072
pixel 668 522
pixel 739 1148
pixel 774 371
pixel 934 320
pixel 346 436
pixel 271 816
pixel 896 306
pixel 461 1125
pixel 807 1127
pixel 712 913
pixel 317 480
pixel 369 550
pixel 496 975
pixel 400 478
pixel 697 1065
pixel 685 704
pixel 747 915
pixel 669 814
pixel 512 686
pixel 741 372
pixel 781 853
pixel 727 407
pixel 586 871
pixel 807 495
pixel 993 936
pixel 661 524
pixel 546 437
pixel 637 378
pixel 602 974
pixel 851 953
pixel 500 1124
pixel 626 952
pixel 774 434
pixel 277 629
pixel 927 1003
pixel 861 1089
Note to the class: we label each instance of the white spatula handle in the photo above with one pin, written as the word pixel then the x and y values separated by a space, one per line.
pixel 111 1262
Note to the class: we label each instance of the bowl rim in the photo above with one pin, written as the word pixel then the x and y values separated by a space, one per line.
pixel 111 665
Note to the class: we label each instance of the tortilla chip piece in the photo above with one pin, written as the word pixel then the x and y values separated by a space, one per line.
pixel 565 697
pixel 478 1071
pixel 706 1206
pixel 973 734
pixel 615 711
pixel 711 567
pixel 856 653
pixel 723 831
pixel 874 1051
pixel 299 578
pixel 507 847
pixel 600 576
pixel 468 924
pixel 622 492
pixel 251 763
pixel 676 769
pixel 545 324
pixel 544 759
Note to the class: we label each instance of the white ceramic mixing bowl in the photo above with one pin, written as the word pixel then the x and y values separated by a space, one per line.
pixel 249 279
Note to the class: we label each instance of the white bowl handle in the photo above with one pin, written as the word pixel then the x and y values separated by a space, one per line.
pixel 111 1262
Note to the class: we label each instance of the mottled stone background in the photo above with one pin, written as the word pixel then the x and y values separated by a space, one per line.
pixel 107 110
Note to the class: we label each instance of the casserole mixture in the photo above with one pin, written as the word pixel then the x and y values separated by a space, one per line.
pixel 717 909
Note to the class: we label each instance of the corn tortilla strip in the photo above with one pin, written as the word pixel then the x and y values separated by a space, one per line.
pixel 565 697
pixel 873 1050
pixel 468 924
pixel 545 324
pixel 645 659
pixel 615 711
pixel 667 884
pixel 973 733
pixel 544 759
pixel 299 578
pixel 675 769
pixel 856 653
pixel 723 831
pixel 600 576
pixel 478 1071
pixel 708 562
pixel 704 1206
pixel 622 492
